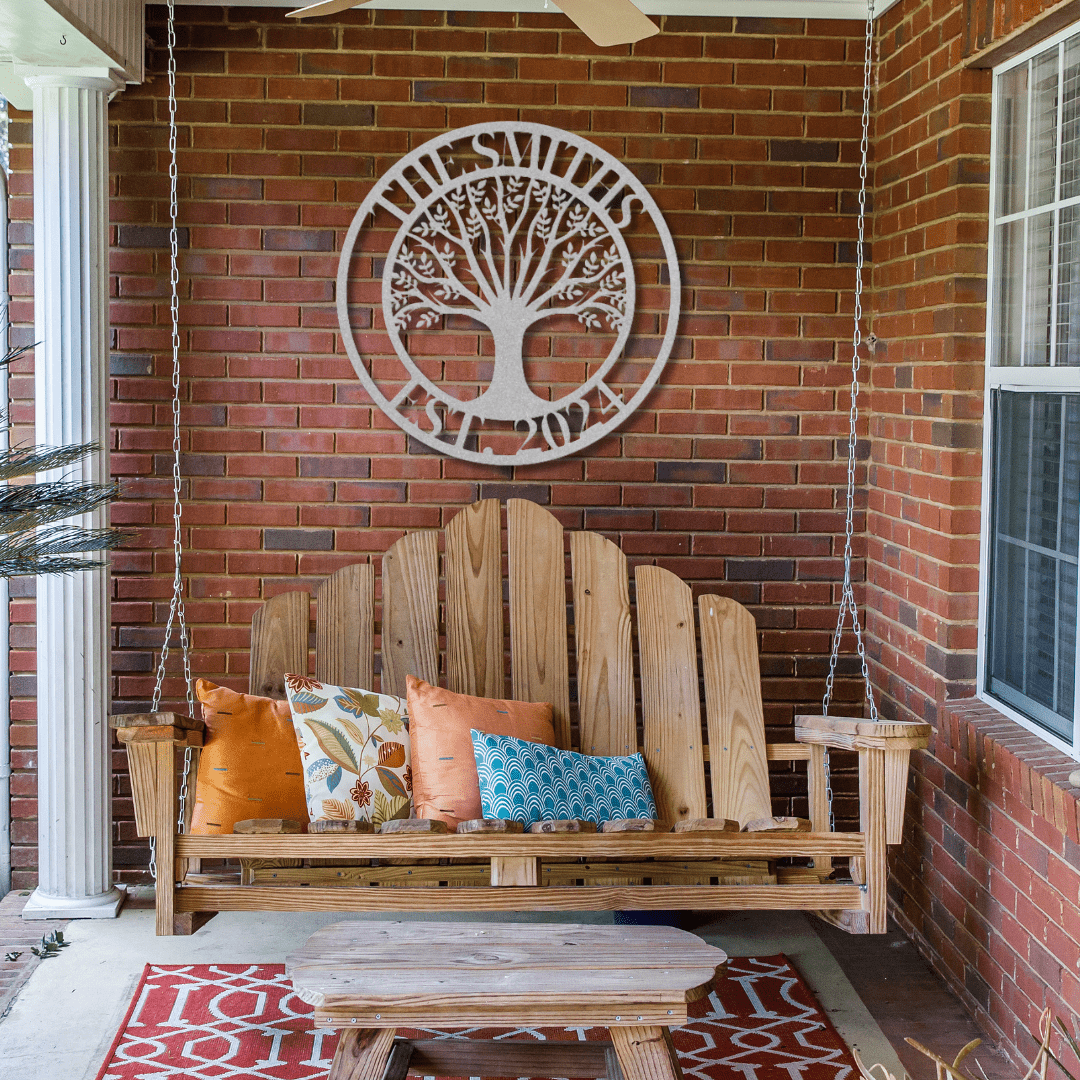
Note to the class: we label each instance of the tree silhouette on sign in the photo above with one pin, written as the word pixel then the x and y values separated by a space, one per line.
pixel 509 252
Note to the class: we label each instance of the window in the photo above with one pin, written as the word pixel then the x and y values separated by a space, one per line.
pixel 1031 533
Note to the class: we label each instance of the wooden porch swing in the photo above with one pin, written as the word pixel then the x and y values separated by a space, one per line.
pixel 700 862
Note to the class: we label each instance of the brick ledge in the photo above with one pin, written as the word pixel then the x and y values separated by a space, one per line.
pixel 1030 769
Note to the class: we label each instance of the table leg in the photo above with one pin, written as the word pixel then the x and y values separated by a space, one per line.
pixel 362 1054
pixel 646 1053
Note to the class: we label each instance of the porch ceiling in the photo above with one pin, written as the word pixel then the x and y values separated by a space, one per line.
pixel 775 9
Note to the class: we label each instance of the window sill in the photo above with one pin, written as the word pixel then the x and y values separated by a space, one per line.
pixel 1027 769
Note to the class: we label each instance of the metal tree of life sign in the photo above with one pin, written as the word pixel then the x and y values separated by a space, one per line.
pixel 528 293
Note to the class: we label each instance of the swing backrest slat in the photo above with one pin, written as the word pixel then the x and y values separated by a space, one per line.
pixel 738 770
pixel 344 627
pixel 536 590
pixel 670 700
pixel 279 643
pixel 474 606
pixel 410 612
pixel 604 648
pixel 536 575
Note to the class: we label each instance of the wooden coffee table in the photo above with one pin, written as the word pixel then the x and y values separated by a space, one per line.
pixel 370 978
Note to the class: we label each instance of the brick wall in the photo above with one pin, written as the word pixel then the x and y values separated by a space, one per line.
pixel 988 879
pixel 746 134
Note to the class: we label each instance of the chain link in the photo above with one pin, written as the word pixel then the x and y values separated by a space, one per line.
pixel 176 604
pixel 847 597
pixel 181 821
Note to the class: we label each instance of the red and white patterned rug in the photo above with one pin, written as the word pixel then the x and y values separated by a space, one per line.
pixel 243 1022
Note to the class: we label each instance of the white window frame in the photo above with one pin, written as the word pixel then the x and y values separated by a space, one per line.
pixel 1031 379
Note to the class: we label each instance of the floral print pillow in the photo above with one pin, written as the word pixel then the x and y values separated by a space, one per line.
pixel 354 747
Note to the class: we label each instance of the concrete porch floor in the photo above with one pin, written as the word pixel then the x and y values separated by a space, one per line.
pixel 63 1018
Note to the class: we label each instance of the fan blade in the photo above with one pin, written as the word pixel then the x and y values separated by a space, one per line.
pixel 325 7
pixel 608 22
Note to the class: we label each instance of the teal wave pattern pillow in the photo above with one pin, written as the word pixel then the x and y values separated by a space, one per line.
pixel 527 782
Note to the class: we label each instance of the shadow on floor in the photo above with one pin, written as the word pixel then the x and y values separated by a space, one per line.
pixel 909 1000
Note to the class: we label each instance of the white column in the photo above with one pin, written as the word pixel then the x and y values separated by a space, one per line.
pixel 71 393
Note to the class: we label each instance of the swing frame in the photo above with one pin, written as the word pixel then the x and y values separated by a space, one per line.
pixel 704 867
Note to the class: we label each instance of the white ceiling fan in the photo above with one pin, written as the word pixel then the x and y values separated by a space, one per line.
pixel 604 22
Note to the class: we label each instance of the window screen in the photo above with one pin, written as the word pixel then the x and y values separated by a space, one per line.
pixel 1035 483
pixel 1036 216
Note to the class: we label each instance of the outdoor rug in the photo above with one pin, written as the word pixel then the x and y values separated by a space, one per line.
pixel 243 1022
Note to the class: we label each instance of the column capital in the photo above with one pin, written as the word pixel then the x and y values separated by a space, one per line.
pixel 84 78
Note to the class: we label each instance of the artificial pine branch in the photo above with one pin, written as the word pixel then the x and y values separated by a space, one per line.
pixel 30 541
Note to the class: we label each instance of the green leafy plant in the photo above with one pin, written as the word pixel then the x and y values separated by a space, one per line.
pixel 33 538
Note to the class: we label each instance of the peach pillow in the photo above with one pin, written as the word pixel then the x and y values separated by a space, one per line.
pixel 445 783
pixel 250 765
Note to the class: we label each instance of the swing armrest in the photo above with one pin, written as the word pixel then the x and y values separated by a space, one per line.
pixel 850 733
pixel 158 727
pixel 151 741
pixel 884 749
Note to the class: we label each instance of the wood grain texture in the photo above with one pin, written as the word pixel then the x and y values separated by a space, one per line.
pixel 785 752
pixel 537 588
pixel 428 826
pixel 176 735
pixel 479 826
pixel 817 791
pixel 646 1053
pixel 340 827
pixel 345 628
pixel 461 971
pixel 706 825
pixel 508 870
pixel 854 922
pixel 142 768
pixel 576 1011
pixel 474 610
pixel 848 733
pixel 896 776
pixel 722 871
pixel 410 611
pixel 738 768
pixel 362 1054
pixel 602 641
pixel 508 1058
pixel 563 825
pixel 166 808
pixel 618 825
pixel 542 898
pixel 578 845
pixel 279 643
pixel 268 827
pixel 872 821
pixel 778 824
pixel 122 721
pixel 671 708
pixel 391 877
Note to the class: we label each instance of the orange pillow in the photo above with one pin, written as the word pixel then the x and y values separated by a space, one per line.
pixel 250 765
pixel 445 784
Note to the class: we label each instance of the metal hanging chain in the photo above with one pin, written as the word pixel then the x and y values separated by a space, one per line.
pixel 847 598
pixel 176 605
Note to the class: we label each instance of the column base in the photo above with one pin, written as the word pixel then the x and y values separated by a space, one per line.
pixel 106 906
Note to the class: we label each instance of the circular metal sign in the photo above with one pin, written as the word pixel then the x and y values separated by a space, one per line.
pixel 527 293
